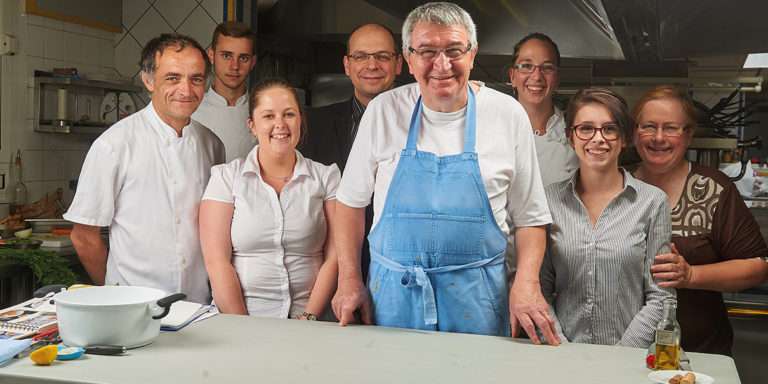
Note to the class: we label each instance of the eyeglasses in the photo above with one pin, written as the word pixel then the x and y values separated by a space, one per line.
pixel 527 68
pixel 381 56
pixel 667 130
pixel 609 131
pixel 430 54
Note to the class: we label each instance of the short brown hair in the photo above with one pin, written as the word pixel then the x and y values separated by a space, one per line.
pixel 236 30
pixel 612 101
pixel 669 92
pixel 267 84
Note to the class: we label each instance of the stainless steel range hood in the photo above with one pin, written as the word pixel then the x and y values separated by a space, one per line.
pixel 580 27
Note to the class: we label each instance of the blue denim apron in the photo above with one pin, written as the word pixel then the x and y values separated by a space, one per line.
pixel 437 254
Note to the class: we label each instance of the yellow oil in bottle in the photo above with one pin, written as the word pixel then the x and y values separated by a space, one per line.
pixel 668 338
pixel 667 356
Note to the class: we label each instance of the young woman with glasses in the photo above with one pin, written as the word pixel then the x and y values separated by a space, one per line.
pixel 717 243
pixel 607 227
pixel 534 77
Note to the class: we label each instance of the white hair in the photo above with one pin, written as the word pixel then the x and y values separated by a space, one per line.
pixel 441 13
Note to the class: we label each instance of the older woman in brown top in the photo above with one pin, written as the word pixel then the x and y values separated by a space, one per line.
pixel 717 243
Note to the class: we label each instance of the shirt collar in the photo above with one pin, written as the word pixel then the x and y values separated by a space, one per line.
pixel 630 182
pixel 217 99
pixel 357 108
pixel 251 166
pixel 556 126
pixel 162 128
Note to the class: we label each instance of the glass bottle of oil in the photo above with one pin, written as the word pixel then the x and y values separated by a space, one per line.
pixel 19 190
pixel 668 338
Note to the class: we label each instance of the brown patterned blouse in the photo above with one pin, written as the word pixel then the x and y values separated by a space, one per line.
pixel 711 223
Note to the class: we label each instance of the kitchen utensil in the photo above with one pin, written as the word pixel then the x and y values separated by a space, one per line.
pixel 106 350
pixel 112 315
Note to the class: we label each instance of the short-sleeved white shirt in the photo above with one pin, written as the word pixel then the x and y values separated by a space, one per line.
pixel 505 148
pixel 277 242
pixel 145 183
pixel 557 160
pixel 229 123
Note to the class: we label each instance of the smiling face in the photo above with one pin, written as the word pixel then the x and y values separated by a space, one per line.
pixel 177 84
pixel 536 87
pixel 596 153
pixel 371 76
pixel 232 60
pixel 662 153
pixel 442 81
pixel 276 121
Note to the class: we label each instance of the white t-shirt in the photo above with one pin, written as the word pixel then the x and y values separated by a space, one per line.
pixel 145 183
pixel 557 160
pixel 228 123
pixel 505 150
pixel 277 243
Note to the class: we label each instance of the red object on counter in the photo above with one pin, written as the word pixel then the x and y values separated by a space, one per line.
pixel 650 361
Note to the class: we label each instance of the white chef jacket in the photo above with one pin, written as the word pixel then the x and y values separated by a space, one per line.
pixel 145 183
pixel 277 242
pixel 557 160
pixel 228 123
pixel 505 151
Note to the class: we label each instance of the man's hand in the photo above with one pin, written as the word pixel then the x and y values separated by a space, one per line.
pixel 671 270
pixel 528 309
pixel 352 295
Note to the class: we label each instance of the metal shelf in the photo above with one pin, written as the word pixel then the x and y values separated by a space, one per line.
pixel 84 114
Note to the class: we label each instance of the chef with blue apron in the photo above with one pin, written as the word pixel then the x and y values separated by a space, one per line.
pixel 453 173
pixel 437 254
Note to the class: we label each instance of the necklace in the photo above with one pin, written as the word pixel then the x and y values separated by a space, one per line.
pixel 284 179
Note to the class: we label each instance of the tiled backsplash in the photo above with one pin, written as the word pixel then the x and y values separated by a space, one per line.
pixel 51 160
pixel 143 20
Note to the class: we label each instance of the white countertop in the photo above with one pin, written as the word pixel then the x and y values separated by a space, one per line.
pixel 240 349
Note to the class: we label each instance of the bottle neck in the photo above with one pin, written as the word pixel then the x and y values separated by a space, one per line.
pixel 670 311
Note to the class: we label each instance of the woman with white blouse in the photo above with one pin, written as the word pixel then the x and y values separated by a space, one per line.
pixel 265 220
pixel 607 227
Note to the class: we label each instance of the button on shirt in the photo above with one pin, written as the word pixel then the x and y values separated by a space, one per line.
pixel 598 278
pixel 229 123
pixel 557 160
pixel 277 242
pixel 145 183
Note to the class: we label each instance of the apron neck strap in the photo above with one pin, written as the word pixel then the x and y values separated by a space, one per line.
pixel 469 124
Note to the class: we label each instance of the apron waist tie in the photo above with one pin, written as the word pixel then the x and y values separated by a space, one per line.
pixel 421 279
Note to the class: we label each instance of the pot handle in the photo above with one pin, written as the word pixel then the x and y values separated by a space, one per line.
pixel 166 302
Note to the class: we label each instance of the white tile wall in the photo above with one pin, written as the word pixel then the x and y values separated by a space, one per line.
pixel 50 161
pixel 143 20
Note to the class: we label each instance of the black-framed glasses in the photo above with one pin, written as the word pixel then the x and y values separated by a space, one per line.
pixel 667 130
pixel 609 131
pixel 527 68
pixel 431 53
pixel 381 56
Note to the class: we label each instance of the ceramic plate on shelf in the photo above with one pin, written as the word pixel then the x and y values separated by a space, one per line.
pixel 108 110
pixel 662 377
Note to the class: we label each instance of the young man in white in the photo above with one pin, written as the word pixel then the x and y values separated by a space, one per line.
pixel 144 177
pixel 224 109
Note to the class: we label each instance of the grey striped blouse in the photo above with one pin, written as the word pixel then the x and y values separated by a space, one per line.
pixel 598 280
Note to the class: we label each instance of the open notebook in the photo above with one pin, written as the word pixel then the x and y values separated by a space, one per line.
pixel 184 313
pixel 26 319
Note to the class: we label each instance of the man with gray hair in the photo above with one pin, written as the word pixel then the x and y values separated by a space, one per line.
pixel 144 177
pixel 449 164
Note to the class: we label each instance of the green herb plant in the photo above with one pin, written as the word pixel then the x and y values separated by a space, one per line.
pixel 48 267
